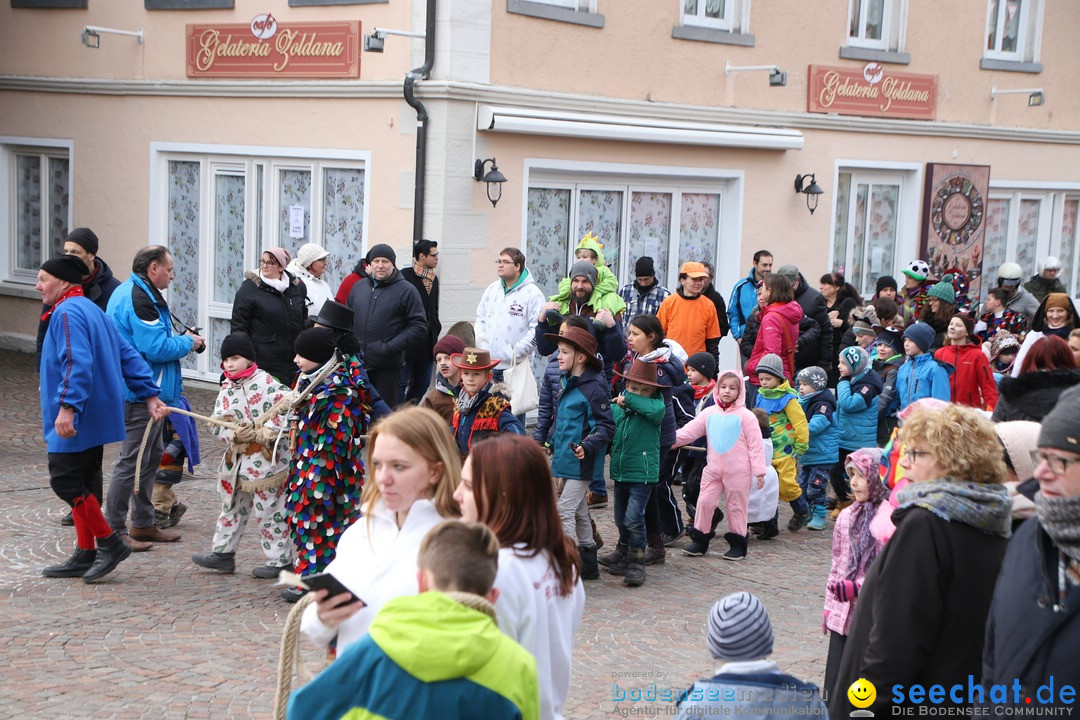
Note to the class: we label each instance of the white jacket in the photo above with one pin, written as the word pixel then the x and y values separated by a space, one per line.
pixel 318 291
pixel 377 561
pixel 506 321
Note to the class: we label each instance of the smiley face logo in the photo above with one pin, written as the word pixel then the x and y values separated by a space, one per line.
pixel 862 693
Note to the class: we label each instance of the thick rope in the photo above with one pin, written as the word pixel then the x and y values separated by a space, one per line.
pixel 289 656
pixel 139 457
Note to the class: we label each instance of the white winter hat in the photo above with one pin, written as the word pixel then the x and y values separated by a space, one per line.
pixel 309 253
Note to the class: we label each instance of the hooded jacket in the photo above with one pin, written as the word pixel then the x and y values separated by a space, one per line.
pixel 97 289
pixel 677 393
pixel 820 411
pixel 971 382
pixel 1032 395
pixel 778 334
pixel 635 450
pixel 732 432
pixel 919 377
pixel 272 319
pixel 1040 287
pixel 583 418
pixel 389 320
pixel 857 410
pixel 1023 302
pixel 606 293
pixel 505 319
pixel 742 304
pixel 425 656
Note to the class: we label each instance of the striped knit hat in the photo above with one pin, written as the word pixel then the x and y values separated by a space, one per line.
pixel 739 628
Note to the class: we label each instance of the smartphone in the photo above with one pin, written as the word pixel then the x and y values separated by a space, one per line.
pixel 321 581
pixel 574 446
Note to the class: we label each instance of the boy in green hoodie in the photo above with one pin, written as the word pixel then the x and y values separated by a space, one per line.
pixel 606 292
pixel 791 434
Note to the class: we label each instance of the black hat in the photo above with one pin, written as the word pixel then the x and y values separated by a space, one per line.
pixel 85 238
pixel 644 267
pixel 382 250
pixel 67 268
pixel 238 344
pixel 885 281
pixel 704 363
pixel 316 345
pixel 334 315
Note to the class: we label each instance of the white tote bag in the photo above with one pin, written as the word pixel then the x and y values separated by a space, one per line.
pixel 523 393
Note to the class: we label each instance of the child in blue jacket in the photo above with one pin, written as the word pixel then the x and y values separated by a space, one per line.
pixel 816 464
pixel 856 413
pixel 551 388
pixel 920 376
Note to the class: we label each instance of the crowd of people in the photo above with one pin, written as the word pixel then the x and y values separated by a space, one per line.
pixel 932 432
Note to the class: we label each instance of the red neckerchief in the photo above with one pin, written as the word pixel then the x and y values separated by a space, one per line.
pixel 701 391
pixel 242 375
pixel 72 292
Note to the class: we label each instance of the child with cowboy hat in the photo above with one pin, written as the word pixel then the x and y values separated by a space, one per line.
pixel 635 465
pixel 478 411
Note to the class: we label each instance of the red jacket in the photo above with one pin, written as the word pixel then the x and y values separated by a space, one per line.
pixel 972 381
pixel 779 332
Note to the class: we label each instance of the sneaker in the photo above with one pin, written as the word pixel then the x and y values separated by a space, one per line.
pixel 817 518
pixel 293 594
pixel 222 562
pixel 797 522
pixel 67 520
pixel 670 540
pixel 595 500
pixel 268 572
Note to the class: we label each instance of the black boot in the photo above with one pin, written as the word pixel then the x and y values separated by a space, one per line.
pixel 700 544
pixel 655 553
pixel 635 569
pixel 222 562
pixel 111 551
pixel 74 566
pixel 770 529
pixel 590 570
pixel 737 551
pixel 616 556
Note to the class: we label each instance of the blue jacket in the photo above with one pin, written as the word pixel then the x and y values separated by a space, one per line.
pixel 584 417
pixel 87 364
pixel 919 377
pixel 550 391
pixel 857 410
pixel 820 410
pixel 751 694
pixel 142 317
pixel 742 303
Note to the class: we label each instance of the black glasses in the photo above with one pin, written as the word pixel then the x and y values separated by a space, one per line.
pixel 1057 464
pixel 913 455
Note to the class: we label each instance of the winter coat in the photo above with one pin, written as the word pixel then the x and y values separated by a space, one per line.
pixel 246 401
pixel 843 309
pixel 971 382
pixel 820 412
pixel 919 377
pixel 740 452
pixel 87 363
pixel 819 352
pixel 1032 395
pixel 610 343
pixel 677 393
pixel 635 450
pixel 489 414
pixel 421 352
pixel 779 330
pixel 1040 287
pixel 273 320
pixel 921 615
pixel 691 321
pixel 317 289
pixel 857 410
pixel 721 308
pixel 550 391
pixel 838 613
pixel 1031 634
pixel 742 303
pixel 389 320
pixel 346 286
pixel 887 371
pixel 1024 302
pixel 440 398
pixel 98 288
pixel 142 316
pixel 583 418
pixel 505 318
pixel 641 303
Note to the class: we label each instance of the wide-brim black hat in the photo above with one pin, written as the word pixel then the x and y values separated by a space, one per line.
pixel 335 315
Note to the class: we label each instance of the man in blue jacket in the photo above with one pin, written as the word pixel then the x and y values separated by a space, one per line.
pixel 85 366
pixel 142 317
pixel 744 295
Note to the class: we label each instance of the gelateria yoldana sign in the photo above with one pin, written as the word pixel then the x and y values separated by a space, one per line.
pixel 265 48
pixel 871 90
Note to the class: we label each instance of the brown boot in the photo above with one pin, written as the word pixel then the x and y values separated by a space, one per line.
pixel 656 554
pixel 154 534
pixel 840 505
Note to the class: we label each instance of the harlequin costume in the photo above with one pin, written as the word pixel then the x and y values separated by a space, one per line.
pixel 487 412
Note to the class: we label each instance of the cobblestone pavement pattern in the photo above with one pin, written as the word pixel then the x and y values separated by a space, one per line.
pixel 162 638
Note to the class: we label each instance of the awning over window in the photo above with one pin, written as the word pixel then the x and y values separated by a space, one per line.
pixel 531 121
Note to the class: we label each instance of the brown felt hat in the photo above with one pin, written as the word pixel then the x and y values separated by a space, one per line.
pixel 472 358
pixel 642 372
pixel 581 340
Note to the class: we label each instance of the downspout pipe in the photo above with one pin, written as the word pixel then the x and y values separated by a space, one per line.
pixel 421 73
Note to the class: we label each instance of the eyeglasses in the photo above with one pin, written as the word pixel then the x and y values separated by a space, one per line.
pixel 1057 464
pixel 504 262
pixel 271 262
pixel 913 455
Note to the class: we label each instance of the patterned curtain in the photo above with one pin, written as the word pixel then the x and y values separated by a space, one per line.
pixel 1027 236
pixel 650 231
pixel 28 201
pixel 343 221
pixel 699 227
pixel 881 240
pixel 183 242
pixel 547 236
pixel 294 188
pixel 228 236
pixel 59 181
pixel 1068 246
pixel 600 212
pixel 843 204
pixel 997 234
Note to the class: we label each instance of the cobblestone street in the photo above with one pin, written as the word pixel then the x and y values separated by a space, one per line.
pixel 162 638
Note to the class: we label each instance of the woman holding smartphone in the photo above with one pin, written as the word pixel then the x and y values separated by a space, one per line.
pixel 416 469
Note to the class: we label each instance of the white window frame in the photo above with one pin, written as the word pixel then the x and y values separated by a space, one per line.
pixel 588 6
pixel 21 280
pixel 1029 36
pixel 726 22
pixel 893 26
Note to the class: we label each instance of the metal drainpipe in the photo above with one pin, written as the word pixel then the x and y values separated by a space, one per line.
pixel 421 73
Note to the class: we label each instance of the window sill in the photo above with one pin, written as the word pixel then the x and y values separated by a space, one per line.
pixel 1010 66
pixel 188 4
pixel 850 52
pixel 309 3
pixel 50 4
pixel 13 288
pixel 551 12
pixel 711 35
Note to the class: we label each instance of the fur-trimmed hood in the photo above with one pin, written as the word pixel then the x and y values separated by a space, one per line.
pixel 254 277
pixel 1013 388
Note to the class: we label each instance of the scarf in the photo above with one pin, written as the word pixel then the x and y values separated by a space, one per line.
pixel 465 401
pixel 281 284
pixel 864 546
pixel 1061 332
pixel 701 391
pixel 983 506
pixel 425 275
pixel 242 375
pixel 1059 517
pixel 71 292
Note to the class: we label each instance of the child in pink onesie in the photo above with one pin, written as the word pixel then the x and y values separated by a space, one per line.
pixel 735 457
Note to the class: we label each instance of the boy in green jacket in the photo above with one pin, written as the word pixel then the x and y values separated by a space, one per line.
pixel 635 466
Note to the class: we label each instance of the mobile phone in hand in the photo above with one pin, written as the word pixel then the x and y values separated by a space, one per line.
pixel 320 581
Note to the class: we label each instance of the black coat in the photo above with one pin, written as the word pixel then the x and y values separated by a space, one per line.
pixel 389 320
pixel 273 320
pixel 721 309
pixel 430 301
pixel 921 614
pixel 816 349
pixel 1027 639
pixel 1032 395
pixel 97 291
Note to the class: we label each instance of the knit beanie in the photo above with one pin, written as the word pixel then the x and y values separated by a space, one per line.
pixel 238 344
pixel 309 253
pixel 644 267
pixel 1019 438
pixel 1058 300
pixel 84 238
pixel 316 345
pixel 921 334
pixel 790 272
pixel 739 629
pixel 867 461
pixel 893 337
pixel 885 281
pixel 704 363
pixel 1001 342
pixel 584 268
pixel 449 345
pixel 67 268
pixel 862 327
pixel 772 364
pixel 280 254
pixel 969 325
pixel 382 250
pixel 943 290
pixel 813 376
pixel 856 359
pixel 1061 426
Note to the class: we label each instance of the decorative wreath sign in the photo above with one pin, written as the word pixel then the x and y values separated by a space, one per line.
pixel 956 211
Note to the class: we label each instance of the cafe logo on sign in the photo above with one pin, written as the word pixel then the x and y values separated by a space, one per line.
pixel 267 48
pixel 871 90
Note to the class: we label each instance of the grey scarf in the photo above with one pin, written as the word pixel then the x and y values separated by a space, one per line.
pixel 983 506
pixel 1060 517
pixel 465 402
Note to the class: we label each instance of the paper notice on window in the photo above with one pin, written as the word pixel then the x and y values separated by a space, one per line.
pixel 296 221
